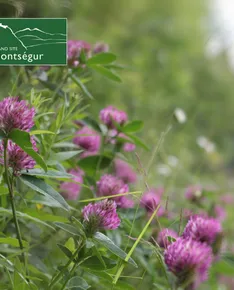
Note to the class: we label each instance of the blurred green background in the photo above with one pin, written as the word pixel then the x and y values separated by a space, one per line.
pixel 163 46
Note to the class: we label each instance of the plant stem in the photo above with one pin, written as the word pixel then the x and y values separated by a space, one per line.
pixel 69 276
pixel 13 207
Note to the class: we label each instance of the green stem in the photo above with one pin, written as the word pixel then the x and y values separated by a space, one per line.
pixel 12 201
pixel 69 276
pixel 59 275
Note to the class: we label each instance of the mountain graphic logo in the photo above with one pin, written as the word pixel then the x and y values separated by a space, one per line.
pixel 33 41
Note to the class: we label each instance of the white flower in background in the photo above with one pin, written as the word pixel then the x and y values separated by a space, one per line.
pixel 164 170
pixel 172 161
pixel 180 115
pixel 206 144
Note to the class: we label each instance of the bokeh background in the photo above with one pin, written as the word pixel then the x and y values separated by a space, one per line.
pixel 176 54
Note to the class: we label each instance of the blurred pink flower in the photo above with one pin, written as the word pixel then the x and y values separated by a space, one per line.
pixel 163 235
pixel 111 115
pixel 74 49
pixel 87 139
pixel 151 199
pixel 100 47
pixel 124 171
pixel 71 190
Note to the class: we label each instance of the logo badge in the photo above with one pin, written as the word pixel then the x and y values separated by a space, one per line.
pixel 33 41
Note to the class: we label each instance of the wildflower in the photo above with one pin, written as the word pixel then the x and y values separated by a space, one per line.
pixel 87 139
pixel 124 171
pixel 71 190
pixel 15 114
pixel 151 199
pixel 129 147
pixel 193 193
pixel 203 229
pixel 164 237
pixel 74 49
pixel 220 213
pixel 101 215
pixel 111 185
pixel 100 47
pixel 189 261
pixel 111 115
pixel 17 158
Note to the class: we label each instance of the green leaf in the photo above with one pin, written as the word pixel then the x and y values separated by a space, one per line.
pixel 92 123
pixel 25 216
pixel 39 132
pixel 44 216
pixel 101 58
pixel 91 163
pixel 106 72
pixel 94 263
pixel 133 126
pixel 22 139
pixel 3 190
pixel 68 228
pixel 109 244
pixel 45 189
pixel 223 267
pixel 62 156
pixel 83 88
pixel 77 283
pixel 65 250
pixel 50 173
pixel 13 242
pixel 137 141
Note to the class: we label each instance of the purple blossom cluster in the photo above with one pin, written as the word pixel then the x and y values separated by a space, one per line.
pixel 124 171
pixel 151 199
pixel 17 158
pixel 15 114
pixel 110 115
pixel 101 215
pixel 189 261
pixel 87 139
pixel 111 185
pixel 76 47
pixel 164 236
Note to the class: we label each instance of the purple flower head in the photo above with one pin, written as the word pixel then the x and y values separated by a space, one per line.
pixel 203 229
pixel 100 215
pixel 15 114
pixel 111 185
pixel 87 139
pixel 110 114
pixel 189 261
pixel 193 192
pixel 124 171
pixel 227 198
pixel 74 49
pixel 151 199
pixel 69 189
pixel 17 158
pixel 163 235
pixel 100 47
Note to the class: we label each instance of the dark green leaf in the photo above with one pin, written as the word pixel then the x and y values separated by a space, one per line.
pixel 62 156
pixel 101 58
pixel 53 88
pixel 65 250
pixel 109 244
pixel 137 141
pixel 91 163
pixel 45 189
pixel 68 228
pixel 50 173
pixel 107 73
pixel 22 139
pixel 133 126
pixel 77 283
pixel 94 263
pixel 2 135
pixel 92 123
pixel 81 86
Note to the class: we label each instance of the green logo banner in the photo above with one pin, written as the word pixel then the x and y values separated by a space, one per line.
pixel 33 41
